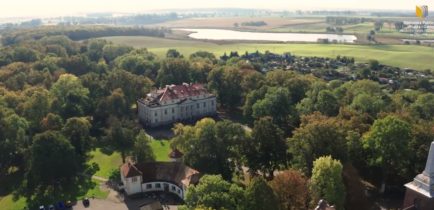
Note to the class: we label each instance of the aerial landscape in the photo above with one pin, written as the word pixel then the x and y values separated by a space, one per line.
pixel 217 105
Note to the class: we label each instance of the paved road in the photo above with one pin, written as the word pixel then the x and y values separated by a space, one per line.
pixel 98 204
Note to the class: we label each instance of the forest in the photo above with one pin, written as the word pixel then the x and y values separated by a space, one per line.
pixel 308 138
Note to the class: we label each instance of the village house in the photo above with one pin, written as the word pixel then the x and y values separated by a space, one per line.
pixel 171 177
pixel 176 103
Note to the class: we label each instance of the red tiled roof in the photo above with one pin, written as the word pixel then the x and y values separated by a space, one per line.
pixel 175 153
pixel 175 172
pixel 129 170
pixel 182 91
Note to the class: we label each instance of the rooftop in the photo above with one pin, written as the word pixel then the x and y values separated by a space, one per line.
pixel 174 92
pixel 175 172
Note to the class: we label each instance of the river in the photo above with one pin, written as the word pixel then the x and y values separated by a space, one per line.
pixel 223 34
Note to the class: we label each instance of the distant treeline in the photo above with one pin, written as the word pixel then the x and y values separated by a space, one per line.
pixel 254 23
pixel 123 20
pixel 346 20
pixel 79 33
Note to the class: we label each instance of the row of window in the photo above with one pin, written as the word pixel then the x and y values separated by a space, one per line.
pixel 186 108
pixel 158 186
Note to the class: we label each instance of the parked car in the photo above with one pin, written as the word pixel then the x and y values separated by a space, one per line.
pixel 51 207
pixel 41 207
pixel 86 202
pixel 69 204
pixel 60 206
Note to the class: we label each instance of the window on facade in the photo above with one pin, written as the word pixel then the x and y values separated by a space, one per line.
pixel 197 105
pixel 158 185
pixel 204 104
pixel 165 111
pixel 155 114
pixel 134 179
pixel 148 186
pixel 173 188
pixel 212 103
pixel 173 117
pixel 173 110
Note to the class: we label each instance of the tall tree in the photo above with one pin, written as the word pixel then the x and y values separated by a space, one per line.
pixel 226 82
pixel 424 106
pixel 142 151
pixel 210 142
pixel 387 142
pixel 266 150
pixel 327 183
pixel 173 71
pixel 259 195
pixel 215 193
pixel 52 158
pixel 317 136
pixel 76 130
pixel 276 104
pixel 120 136
pixel 71 96
pixel 37 107
pixel 291 189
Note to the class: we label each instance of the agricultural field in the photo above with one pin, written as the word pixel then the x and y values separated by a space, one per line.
pixel 411 56
pixel 228 22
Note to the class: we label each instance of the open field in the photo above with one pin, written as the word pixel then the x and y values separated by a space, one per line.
pixel 411 56
pixel 228 22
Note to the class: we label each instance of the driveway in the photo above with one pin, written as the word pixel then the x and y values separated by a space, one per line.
pixel 99 204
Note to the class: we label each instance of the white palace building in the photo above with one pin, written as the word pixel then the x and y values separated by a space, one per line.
pixel 176 103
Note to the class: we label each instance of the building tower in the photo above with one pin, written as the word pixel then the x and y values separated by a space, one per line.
pixel 420 192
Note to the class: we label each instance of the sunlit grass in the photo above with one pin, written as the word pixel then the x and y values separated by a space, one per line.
pixel 417 57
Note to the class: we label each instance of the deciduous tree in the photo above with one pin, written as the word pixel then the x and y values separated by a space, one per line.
pixel 326 181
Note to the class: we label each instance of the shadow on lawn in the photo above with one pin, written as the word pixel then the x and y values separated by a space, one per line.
pixel 9 182
pixel 51 194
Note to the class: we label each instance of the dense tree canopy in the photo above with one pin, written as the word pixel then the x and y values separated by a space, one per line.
pixel 259 195
pixel 266 149
pixel 215 193
pixel 52 158
pixel 211 142
pixel 387 142
pixel 61 99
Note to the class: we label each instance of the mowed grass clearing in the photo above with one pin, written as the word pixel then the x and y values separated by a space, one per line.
pixel 411 56
pixel 161 149
pixel 108 162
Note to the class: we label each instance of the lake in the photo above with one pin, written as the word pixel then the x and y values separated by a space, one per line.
pixel 223 34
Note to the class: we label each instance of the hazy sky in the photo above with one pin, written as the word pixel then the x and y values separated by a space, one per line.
pixel 15 8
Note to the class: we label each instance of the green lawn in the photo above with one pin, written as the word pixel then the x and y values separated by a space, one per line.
pixel 8 203
pixel 106 162
pixel 417 57
pixel 95 191
pixel 111 161
pixel 161 149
